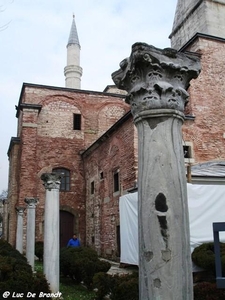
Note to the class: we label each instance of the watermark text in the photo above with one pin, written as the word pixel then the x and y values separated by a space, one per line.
pixel 15 295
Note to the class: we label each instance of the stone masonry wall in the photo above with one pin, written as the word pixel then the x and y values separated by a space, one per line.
pixel 207 18
pixel 207 105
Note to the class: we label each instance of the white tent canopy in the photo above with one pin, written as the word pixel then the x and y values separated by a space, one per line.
pixel 206 205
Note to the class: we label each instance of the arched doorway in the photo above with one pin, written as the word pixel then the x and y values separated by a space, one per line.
pixel 66 227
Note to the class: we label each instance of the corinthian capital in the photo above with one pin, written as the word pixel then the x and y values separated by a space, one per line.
pixel 51 180
pixel 156 78
pixel 31 202
pixel 20 210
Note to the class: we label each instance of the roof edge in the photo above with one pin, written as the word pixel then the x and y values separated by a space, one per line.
pixel 106 135
pixel 13 141
pixel 201 35
pixel 64 89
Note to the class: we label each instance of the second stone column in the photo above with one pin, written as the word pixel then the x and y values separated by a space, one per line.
pixel 30 245
pixel 51 229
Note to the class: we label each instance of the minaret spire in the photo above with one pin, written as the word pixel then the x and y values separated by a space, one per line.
pixel 73 71
pixel 197 16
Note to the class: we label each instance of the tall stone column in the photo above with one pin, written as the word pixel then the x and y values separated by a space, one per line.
pixel 51 229
pixel 19 231
pixel 30 245
pixel 156 81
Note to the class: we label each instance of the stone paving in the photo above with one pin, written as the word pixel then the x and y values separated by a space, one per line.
pixel 117 268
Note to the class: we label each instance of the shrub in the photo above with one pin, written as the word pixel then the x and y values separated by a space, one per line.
pixel 117 287
pixel 6 268
pixel 204 256
pixel 40 284
pixel 65 261
pixel 7 250
pixel 88 269
pixel 103 266
pixel 39 250
pixel 208 291
pixel 125 287
pixel 103 284
pixel 16 274
pixel 81 264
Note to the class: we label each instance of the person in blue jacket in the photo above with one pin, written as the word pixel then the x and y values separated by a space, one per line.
pixel 74 242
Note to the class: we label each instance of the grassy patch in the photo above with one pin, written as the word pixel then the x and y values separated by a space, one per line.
pixel 70 290
pixel 38 267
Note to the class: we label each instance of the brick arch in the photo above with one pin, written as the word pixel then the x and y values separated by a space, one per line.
pixel 70 219
pixel 62 166
pixel 49 168
pixel 108 115
pixel 65 178
pixel 59 99
pixel 60 102
pixel 69 209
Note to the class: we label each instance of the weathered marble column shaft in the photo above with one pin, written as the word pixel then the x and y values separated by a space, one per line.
pixel 51 229
pixel 156 81
pixel 19 230
pixel 30 242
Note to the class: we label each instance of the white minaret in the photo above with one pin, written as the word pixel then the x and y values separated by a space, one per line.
pixel 73 71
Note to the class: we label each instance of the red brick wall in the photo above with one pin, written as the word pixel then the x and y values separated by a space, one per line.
pixel 99 112
pixel 28 158
pixel 64 153
pixel 207 103
pixel 48 141
pixel 10 220
pixel 117 152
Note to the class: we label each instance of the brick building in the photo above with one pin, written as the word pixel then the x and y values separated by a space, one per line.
pixel 54 126
pixel 90 137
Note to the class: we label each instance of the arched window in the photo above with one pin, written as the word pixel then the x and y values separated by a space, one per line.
pixel 65 180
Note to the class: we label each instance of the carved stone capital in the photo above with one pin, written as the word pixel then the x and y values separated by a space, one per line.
pixel 20 210
pixel 51 180
pixel 156 78
pixel 31 202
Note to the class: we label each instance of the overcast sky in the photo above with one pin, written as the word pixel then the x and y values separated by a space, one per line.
pixel 34 35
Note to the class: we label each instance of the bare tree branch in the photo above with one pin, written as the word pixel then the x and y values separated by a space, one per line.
pixel 3 195
pixel 4 27
pixel 2 9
